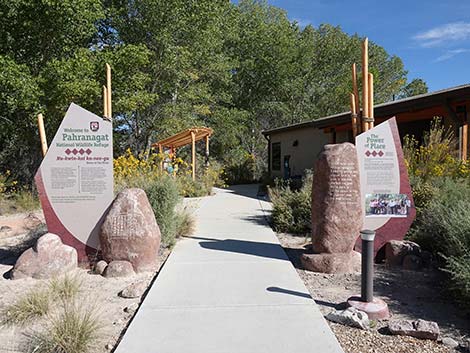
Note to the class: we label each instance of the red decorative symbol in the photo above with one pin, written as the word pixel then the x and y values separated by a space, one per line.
pixel 367 153
pixel 88 151
pixel 374 153
pixel 74 151
pixel 82 151
pixel 381 153
pixel 67 151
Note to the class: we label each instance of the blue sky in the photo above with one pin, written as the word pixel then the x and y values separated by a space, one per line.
pixel 431 37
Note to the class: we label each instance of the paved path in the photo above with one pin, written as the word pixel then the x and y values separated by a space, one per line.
pixel 229 289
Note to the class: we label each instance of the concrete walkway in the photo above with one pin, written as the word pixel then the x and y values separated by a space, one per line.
pixel 229 289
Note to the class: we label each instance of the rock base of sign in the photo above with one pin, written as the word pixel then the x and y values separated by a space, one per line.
pixel 407 255
pixel 375 310
pixel 100 267
pixel 350 317
pixel 416 328
pixel 332 263
pixel 119 269
pixel 130 231
pixel 48 258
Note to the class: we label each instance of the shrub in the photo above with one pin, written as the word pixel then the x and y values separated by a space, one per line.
pixel 184 223
pixel 292 208
pixel 75 329
pixel 435 156
pixel 443 227
pixel 65 287
pixel 32 305
pixel 163 196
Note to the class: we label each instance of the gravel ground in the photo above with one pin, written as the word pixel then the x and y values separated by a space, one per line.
pixel 410 295
pixel 96 291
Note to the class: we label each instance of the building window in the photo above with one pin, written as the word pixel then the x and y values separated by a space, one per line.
pixel 276 156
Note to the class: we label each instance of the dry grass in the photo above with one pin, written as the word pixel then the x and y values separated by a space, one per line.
pixel 32 305
pixel 185 223
pixel 74 329
pixel 66 287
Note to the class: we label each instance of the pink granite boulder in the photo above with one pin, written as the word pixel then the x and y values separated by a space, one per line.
pixel 118 268
pixel 337 212
pixel 419 328
pixel 130 231
pixel 48 258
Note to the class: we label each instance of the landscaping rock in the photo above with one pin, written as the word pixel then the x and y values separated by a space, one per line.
pixel 48 258
pixel 119 269
pixel 100 267
pixel 350 317
pixel 337 212
pixel 134 290
pixel 449 342
pixel 131 308
pixel 396 250
pixel 130 231
pixel 418 328
pixel 412 263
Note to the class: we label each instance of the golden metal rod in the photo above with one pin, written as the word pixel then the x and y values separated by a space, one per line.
pixel 105 102
pixel 365 84
pixel 371 100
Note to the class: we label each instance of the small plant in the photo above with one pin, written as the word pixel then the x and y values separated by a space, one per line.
pixel 32 305
pixel 65 287
pixel 292 209
pixel 163 197
pixel 75 329
pixel 185 223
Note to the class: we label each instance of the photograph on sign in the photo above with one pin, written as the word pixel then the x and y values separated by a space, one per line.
pixel 388 205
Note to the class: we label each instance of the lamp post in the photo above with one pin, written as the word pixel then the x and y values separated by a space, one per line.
pixel 374 307
pixel 367 265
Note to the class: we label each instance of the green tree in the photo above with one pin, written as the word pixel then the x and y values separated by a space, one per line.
pixel 415 87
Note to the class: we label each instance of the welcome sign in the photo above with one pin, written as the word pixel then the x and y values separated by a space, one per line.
pixel 385 188
pixel 75 179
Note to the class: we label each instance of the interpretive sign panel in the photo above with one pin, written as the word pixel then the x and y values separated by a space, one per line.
pixel 75 179
pixel 386 193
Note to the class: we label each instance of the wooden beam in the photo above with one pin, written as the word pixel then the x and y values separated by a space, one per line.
pixel 108 89
pixel 464 141
pixel 105 102
pixel 353 115
pixel 42 134
pixel 371 100
pixel 193 154
pixel 365 82
pixel 356 97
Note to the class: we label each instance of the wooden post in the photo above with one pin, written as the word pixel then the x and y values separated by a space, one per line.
pixel 371 100
pixel 42 134
pixel 193 154
pixel 105 102
pixel 160 151
pixel 353 115
pixel 464 141
pixel 356 97
pixel 365 83
pixel 108 84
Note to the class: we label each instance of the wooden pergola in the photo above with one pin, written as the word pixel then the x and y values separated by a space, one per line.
pixel 186 137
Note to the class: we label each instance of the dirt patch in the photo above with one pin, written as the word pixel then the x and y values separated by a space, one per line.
pixel 409 294
pixel 96 291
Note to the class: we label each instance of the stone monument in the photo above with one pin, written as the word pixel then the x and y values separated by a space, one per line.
pixel 130 231
pixel 337 212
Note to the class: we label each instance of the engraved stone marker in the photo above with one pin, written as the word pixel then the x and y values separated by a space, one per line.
pixel 337 212
pixel 130 231
pixel 75 180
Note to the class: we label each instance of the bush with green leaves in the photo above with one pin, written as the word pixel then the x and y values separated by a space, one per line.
pixel 163 195
pixel 292 208
pixel 443 227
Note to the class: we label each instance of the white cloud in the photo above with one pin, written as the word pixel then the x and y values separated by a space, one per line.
pixel 451 53
pixel 450 32
pixel 302 22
